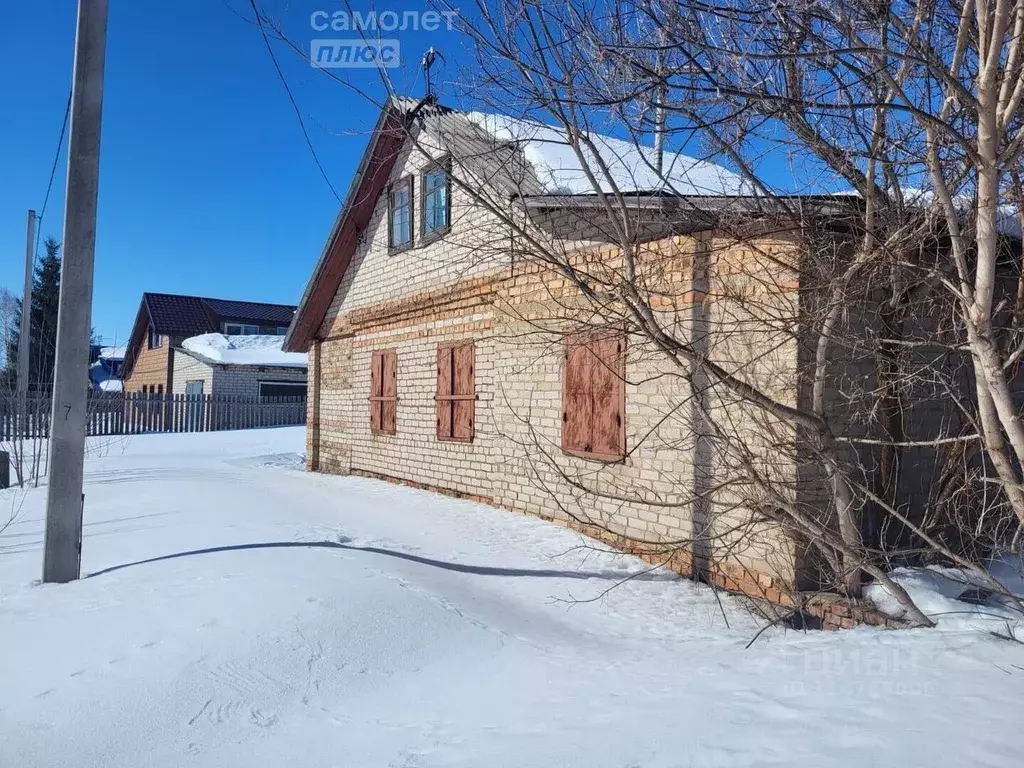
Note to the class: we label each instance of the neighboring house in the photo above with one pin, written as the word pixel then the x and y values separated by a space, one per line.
pixel 251 367
pixel 430 363
pixel 164 321
pixel 105 371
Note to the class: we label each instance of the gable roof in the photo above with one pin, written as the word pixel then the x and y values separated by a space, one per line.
pixel 173 314
pixel 372 174
pixel 555 170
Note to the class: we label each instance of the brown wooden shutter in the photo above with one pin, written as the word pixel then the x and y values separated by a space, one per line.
pixel 389 383
pixel 444 392
pixel 576 395
pixel 593 395
pixel 376 406
pixel 456 392
pixel 608 396
pixel 463 391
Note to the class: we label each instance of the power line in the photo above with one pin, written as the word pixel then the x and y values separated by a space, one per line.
pixel 53 172
pixel 291 98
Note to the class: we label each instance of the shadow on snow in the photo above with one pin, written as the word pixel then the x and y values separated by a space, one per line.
pixel 479 570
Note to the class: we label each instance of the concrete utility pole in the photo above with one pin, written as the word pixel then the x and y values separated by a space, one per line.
pixel 62 556
pixel 25 333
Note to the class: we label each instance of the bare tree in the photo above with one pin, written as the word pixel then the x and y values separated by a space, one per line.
pixel 912 109
pixel 880 145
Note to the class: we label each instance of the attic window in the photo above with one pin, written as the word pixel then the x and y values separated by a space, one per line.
pixel 400 214
pixel 241 329
pixel 436 211
pixel 155 339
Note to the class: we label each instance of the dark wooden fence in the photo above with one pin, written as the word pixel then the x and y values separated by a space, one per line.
pixel 133 413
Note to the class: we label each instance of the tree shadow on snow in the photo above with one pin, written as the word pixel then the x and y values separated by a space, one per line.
pixel 479 570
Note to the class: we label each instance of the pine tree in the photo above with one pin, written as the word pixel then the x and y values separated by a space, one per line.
pixel 45 298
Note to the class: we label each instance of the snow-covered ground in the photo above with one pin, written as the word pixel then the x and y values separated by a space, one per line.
pixel 240 612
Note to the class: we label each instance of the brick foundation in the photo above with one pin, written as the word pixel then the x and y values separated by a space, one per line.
pixel 834 611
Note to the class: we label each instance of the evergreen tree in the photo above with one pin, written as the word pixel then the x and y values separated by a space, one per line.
pixel 45 298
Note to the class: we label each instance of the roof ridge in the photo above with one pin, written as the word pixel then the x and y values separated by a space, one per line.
pixel 213 298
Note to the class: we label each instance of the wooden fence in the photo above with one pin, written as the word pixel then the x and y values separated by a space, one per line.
pixel 133 413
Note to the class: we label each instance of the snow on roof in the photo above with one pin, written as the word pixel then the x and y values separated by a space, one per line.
pixel 243 350
pixel 102 379
pixel 112 353
pixel 630 167
pixel 1008 221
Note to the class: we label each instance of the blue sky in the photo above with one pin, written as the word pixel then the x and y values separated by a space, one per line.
pixel 207 186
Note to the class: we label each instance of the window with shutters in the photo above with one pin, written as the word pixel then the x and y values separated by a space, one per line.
pixel 456 392
pixel 383 392
pixel 594 396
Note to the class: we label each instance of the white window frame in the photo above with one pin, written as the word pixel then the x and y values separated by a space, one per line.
pixel 243 329
pixel 156 340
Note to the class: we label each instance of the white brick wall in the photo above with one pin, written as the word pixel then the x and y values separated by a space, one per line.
pixel 515 459
pixel 237 380
pixel 188 369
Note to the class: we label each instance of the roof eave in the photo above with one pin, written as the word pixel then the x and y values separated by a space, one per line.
pixel 303 327
pixel 135 339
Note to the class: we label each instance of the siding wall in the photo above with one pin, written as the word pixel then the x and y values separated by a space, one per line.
pixel 153 366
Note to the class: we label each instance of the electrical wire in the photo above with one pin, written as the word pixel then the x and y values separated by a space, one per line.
pixel 291 98
pixel 53 173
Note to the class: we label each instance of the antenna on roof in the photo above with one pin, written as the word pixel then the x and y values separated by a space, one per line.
pixel 428 61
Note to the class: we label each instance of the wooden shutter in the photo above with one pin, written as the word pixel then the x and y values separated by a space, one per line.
pixel 463 392
pixel 593 396
pixel 608 396
pixel 456 392
pixel 389 409
pixel 376 406
pixel 383 392
pixel 576 395
pixel 444 392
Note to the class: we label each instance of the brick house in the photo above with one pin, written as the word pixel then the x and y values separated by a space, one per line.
pixel 221 364
pixel 430 364
pixel 158 359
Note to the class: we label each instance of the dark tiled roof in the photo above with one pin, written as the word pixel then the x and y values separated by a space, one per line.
pixel 192 315
pixel 180 314
pixel 248 310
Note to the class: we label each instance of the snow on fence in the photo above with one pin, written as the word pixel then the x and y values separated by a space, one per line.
pixel 132 413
